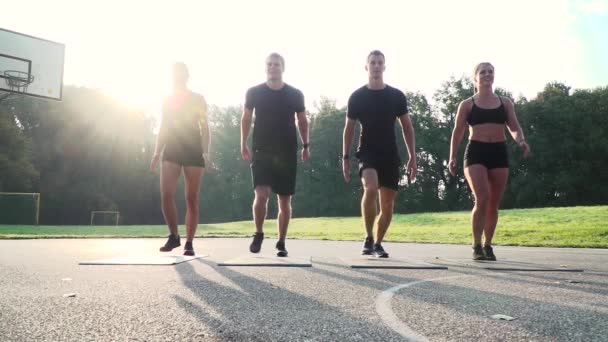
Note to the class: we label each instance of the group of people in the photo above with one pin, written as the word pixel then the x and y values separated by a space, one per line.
pixel 278 113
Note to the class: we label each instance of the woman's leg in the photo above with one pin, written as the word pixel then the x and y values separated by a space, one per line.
pixel 477 176
pixel 169 174
pixel 497 179
pixel 192 176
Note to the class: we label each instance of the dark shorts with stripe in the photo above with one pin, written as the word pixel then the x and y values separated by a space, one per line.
pixel 275 169
pixel 388 172
pixel 491 155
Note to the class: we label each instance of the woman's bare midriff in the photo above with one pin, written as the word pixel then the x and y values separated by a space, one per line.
pixel 488 132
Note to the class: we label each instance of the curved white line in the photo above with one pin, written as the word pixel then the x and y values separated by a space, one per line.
pixel 385 310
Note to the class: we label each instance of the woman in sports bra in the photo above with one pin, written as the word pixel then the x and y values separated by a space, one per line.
pixel 183 140
pixel 486 163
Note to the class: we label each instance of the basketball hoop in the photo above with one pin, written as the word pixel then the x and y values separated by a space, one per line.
pixel 30 66
pixel 17 82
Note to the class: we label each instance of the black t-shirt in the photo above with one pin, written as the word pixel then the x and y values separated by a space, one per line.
pixel 274 126
pixel 376 111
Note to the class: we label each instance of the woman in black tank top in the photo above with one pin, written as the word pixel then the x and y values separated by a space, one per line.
pixel 183 140
pixel 486 163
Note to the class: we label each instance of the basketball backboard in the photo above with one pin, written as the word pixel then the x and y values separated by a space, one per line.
pixel 31 66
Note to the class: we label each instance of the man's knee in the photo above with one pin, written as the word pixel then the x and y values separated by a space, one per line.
pixel 386 208
pixel 262 194
pixel 371 187
pixel 370 190
pixel 284 203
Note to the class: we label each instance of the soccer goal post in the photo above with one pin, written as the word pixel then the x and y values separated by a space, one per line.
pixel 19 207
pixel 104 218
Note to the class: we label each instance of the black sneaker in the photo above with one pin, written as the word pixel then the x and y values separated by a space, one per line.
pixel 379 252
pixel 281 247
pixel 188 249
pixel 489 253
pixel 478 253
pixel 172 242
pixel 368 246
pixel 256 244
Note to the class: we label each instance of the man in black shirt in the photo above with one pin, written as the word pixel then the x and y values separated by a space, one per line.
pixel 376 106
pixel 274 145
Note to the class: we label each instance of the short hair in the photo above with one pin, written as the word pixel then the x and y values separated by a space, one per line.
pixel 276 55
pixel 375 53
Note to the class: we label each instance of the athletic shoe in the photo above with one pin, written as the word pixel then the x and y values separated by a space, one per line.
pixel 489 253
pixel 256 244
pixel 379 252
pixel 281 247
pixel 172 242
pixel 188 249
pixel 368 246
pixel 478 253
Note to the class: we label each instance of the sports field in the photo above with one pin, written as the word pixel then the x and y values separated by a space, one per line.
pixel 548 227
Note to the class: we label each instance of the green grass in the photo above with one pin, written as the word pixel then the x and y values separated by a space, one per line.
pixel 550 227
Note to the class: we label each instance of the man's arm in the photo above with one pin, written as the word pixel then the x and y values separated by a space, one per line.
pixel 408 135
pixel 410 143
pixel 347 136
pixel 245 127
pixel 347 141
pixel 303 128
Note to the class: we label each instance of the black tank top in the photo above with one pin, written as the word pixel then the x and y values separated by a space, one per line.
pixel 480 115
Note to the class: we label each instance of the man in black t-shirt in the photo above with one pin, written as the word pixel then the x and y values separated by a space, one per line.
pixel 275 146
pixel 376 106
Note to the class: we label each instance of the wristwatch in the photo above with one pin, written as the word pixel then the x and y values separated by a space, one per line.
pixel 305 145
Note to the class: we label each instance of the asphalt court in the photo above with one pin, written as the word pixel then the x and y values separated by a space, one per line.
pixel 44 289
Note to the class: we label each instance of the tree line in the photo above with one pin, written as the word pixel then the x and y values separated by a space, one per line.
pixel 90 152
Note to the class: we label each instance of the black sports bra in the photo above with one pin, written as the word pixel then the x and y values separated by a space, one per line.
pixel 480 115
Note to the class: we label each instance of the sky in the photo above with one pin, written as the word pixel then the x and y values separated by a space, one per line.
pixel 126 47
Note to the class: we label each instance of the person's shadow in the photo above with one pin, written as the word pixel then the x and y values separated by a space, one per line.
pixel 243 308
pixel 239 307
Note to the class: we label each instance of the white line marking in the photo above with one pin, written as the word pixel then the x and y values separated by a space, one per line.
pixel 385 310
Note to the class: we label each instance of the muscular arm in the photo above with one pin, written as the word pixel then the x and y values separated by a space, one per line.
pixel 302 123
pixel 246 125
pixel 410 143
pixel 512 123
pixel 347 141
pixel 245 128
pixel 460 125
pixel 347 136
pixel 515 129
pixel 408 134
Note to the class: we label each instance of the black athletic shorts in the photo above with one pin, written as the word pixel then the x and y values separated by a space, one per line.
pixel 184 155
pixel 388 172
pixel 491 155
pixel 275 169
